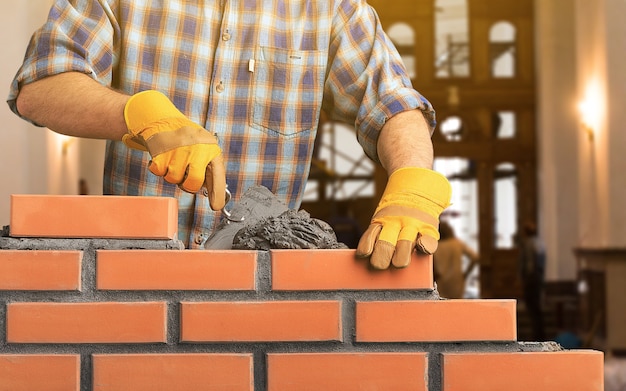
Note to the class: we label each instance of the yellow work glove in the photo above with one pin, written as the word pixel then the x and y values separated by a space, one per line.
pixel 183 152
pixel 407 217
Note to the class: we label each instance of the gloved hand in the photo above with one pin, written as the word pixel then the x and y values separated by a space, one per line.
pixel 407 216
pixel 183 152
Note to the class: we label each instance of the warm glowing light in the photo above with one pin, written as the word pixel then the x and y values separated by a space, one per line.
pixel 591 109
pixel 65 141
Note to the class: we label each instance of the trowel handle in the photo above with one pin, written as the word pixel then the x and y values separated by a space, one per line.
pixel 226 212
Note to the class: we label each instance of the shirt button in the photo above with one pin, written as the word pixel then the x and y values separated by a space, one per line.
pixel 205 192
pixel 220 87
pixel 200 238
pixel 226 36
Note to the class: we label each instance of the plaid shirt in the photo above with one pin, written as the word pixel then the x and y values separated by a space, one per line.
pixel 256 72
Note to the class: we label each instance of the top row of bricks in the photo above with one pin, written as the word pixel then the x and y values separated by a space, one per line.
pixel 110 217
pixel 119 217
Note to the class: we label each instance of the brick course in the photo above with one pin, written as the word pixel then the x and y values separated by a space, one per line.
pixel 167 270
pixel 116 322
pixel 324 270
pixel 41 372
pixel 574 370
pixel 261 321
pixel 40 270
pixel 189 371
pixel 348 371
pixel 93 217
pixel 436 320
pixel 102 313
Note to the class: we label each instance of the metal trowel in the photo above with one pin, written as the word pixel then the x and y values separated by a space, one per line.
pixel 257 203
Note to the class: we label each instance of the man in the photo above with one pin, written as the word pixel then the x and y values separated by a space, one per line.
pixel 255 74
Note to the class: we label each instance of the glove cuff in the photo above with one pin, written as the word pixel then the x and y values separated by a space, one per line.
pixel 186 136
pixel 409 186
pixel 149 112
pixel 134 142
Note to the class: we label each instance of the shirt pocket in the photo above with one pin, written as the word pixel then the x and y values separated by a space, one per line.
pixel 288 90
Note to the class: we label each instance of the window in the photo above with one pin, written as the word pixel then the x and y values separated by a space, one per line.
pixel 502 50
pixel 403 38
pixel 340 159
pixel 452 128
pixel 451 39
pixel 505 124
pixel 505 205
pixel 462 215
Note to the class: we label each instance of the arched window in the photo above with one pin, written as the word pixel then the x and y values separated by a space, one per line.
pixel 403 38
pixel 451 39
pixel 502 49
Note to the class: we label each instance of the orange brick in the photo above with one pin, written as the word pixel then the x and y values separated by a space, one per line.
pixel 39 372
pixel 436 321
pixel 522 371
pixel 93 217
pixel 188 372
pixel 347 371
pixel 86 322
pixel 261 321
pixel 40 270
pixel 341 270
pixel 172 270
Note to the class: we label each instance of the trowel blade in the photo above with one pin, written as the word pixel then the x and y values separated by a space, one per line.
pixel 257 203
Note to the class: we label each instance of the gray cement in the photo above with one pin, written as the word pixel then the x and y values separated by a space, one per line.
pixel 290 230
pixel 260 221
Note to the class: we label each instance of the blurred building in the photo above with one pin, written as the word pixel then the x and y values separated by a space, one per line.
pixel 528 96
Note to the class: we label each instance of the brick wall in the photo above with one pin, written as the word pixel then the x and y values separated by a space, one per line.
pixel 98 295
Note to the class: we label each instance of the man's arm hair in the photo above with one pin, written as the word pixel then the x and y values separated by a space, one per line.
pixel 404 141
pixel 74 104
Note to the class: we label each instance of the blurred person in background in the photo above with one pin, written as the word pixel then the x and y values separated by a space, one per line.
pixel 532 261
pixel 450 275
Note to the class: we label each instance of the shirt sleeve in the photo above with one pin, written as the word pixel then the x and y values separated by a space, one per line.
pixel 367 82
pixel 78 36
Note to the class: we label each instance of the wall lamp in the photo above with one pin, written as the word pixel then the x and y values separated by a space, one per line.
pixel 587 126
pixel 590 110
pixel 586 119
pixel 66 141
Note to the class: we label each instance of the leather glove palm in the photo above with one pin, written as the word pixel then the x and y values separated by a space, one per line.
pixel 182 152
pixel 407 217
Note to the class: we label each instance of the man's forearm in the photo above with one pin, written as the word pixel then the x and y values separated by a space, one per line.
pixel 405 141
pixel 74 104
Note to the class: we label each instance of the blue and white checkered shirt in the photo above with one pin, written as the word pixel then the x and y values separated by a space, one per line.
pixel 256 72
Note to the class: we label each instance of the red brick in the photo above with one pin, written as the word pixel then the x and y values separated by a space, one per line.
pixel 188 372
pixel 341 270
pixel 39 372
pixel 65 216
pixel 174 270
pixel 347 371
pixel 40 270
pixel 436 321
pixel 574 370
pixel 261 321
pixel 86 322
